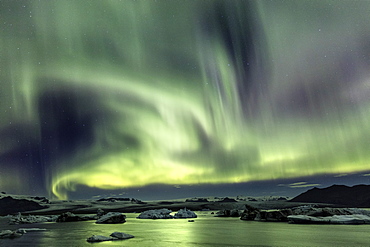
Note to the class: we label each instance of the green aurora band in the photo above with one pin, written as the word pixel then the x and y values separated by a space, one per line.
pixel 167 99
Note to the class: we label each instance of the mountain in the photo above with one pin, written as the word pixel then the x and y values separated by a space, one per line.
pixel 355 196
pixel 9 205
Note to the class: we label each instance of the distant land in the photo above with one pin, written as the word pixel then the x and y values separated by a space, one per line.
pixel 340 195
pixel 36 205
pixel 357 196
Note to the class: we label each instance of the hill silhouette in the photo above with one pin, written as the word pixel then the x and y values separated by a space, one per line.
pixel 355 196
pixel 9 205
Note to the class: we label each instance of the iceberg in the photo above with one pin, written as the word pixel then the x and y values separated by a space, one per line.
pixel 163 213
pixel 185 213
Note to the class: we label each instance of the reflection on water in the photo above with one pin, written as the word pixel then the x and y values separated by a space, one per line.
pixel 205 231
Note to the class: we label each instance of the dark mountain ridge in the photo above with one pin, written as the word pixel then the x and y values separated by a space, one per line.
pixel 9 205
pixel 341 195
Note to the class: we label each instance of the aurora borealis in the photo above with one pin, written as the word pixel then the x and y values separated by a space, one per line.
pixel 125 94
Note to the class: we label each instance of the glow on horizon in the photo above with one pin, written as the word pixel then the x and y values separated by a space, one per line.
pixel 169 100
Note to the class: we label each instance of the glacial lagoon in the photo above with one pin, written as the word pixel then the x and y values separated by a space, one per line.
pixel 206 230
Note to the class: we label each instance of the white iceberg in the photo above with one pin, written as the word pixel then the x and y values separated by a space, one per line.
pixel 112 237
pixel 99 238
pixel 112 218
pixel 185 213
pixel 163 213
pixel 354 219
pixel 30 219
pixel 121 235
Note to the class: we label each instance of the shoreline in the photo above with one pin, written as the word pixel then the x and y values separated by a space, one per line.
pixel 86 207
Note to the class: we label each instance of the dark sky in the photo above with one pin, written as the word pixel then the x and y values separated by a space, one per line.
pixel 163 99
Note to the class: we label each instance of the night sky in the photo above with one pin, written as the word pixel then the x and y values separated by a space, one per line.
pixel 163 99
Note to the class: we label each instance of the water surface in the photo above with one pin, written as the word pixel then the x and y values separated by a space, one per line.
pixel 206 230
